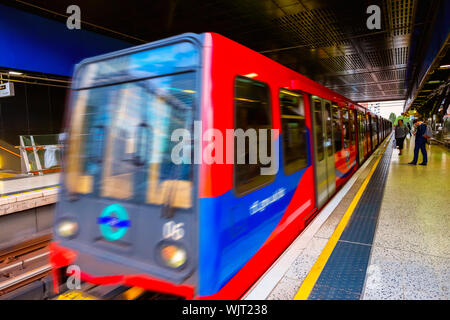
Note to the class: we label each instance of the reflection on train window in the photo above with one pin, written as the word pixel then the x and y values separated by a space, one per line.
pixel 346 127
pixel 318 122
pixel 293 131
pixel 252 111
pixel 352 127
pixel 368 132
pixel 337 129
pixel 328 126
pixel 381 126
pixel 361 129
pixel 374 131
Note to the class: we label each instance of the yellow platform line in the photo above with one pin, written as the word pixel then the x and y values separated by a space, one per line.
pixel 311 279
pixel 17 194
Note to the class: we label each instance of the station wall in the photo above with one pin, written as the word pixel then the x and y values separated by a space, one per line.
pixel 33 43
pixel 35 109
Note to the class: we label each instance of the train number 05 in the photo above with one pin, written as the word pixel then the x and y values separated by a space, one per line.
pixel 173 230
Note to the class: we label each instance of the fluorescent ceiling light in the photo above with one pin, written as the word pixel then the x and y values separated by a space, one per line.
pixel 15 73
pixel 445 66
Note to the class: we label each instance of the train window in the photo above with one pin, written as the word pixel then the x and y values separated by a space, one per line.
pixel 374 132
pixel 329 128
pixel 337 128
pixel 352 127
pixel 346 127
pixel 252 111
pixel 374 126
pixel 293 131
pixel 381 128
pixel 317 109
pixel 361 126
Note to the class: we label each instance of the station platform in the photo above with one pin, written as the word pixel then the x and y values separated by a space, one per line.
pixel 21 194
pixel 15 186
pixel 26 208
pixel 383 236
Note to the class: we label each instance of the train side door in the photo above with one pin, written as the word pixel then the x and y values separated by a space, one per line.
pixel 380 132
pixel 323 150
pixel 375 131
pixel 372 142
pixel 329 148
pixel 360 136
pixel 368 138
pixel 382 129
pixel 319 152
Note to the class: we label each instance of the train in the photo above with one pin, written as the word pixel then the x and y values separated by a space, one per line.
pixel 128 215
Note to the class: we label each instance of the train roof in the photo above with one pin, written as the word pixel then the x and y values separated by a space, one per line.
pixel 309 82
pixel 199 38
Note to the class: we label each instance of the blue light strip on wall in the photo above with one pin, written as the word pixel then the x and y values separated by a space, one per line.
pixel 33 43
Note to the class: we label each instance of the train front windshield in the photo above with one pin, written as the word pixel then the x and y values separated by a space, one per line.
pixel 120 137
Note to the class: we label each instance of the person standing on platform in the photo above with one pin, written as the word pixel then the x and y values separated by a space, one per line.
pixel 409 128
pixel 400 134
pixel 420 142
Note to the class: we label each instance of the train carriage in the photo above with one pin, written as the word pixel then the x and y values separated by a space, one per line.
pixel 129 214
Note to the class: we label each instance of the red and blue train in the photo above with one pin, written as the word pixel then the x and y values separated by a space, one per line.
pixel 128 215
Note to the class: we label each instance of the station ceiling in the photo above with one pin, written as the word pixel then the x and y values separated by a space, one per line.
pixel 326 40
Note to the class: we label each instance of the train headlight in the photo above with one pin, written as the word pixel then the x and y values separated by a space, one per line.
pixel 67 228
pixel 173 256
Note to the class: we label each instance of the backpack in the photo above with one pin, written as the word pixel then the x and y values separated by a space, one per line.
pixel 428 133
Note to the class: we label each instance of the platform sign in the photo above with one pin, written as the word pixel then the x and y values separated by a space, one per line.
pixel 6 90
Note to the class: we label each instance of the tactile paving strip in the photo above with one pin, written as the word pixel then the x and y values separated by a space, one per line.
pixel 344 273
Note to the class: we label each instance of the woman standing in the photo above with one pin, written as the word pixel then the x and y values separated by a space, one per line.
pixel 400 134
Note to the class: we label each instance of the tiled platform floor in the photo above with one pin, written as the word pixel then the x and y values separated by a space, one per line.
pixel 293 278
pixel 411 250
pixel 410 257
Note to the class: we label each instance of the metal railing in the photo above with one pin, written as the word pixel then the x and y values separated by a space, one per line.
pixel 40 154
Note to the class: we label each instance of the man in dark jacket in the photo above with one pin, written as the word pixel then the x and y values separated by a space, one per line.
pixel 420 142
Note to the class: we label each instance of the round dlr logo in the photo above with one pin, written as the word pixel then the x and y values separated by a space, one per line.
pixel 114 222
